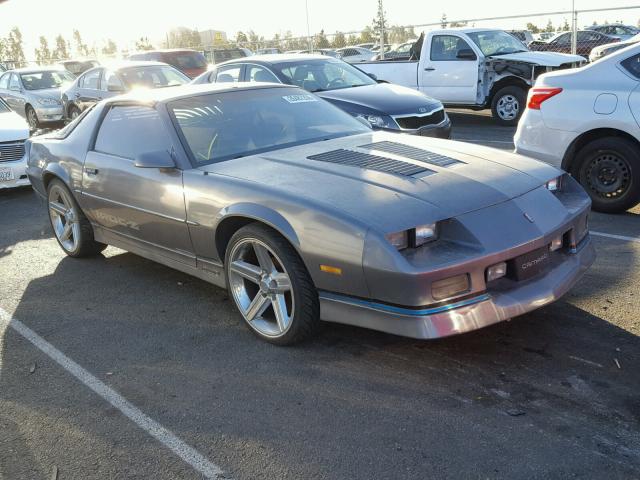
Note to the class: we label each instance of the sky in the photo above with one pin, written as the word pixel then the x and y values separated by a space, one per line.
pixel 126 20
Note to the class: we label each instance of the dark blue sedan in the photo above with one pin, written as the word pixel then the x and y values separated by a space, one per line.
pixel 385 106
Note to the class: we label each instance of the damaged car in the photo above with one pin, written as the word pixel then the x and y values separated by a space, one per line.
pixel 306 214
pixel 472 68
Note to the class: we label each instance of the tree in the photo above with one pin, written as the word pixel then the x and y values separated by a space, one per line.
pixel 380 26
pixel 353 39
pixel 458 24
pixel 61 51
pixel 110 48
pixel 81 48
pixel 321 40
pixel 43 54
pixel 549 27
pixel 14 46
pixel 183 38
pixel 565 26
pixel 339 40
pixel 366 36
pixel 143 44
pixel 532 28
pixel 241 38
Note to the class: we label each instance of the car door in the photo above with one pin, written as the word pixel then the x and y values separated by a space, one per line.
pixel 142 206
pixel 88 92
pixel 4 87
pixel 444 75
pixel 16 98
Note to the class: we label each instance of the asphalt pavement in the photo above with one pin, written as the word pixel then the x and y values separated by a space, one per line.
pixel 552 394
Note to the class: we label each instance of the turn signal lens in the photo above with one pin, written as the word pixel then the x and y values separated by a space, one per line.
pixel 537 95
pixel 450 287
pixel 496 271
pixel 400 240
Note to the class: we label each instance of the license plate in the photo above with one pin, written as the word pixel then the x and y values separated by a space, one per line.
pixel 6 174
pixel 530 264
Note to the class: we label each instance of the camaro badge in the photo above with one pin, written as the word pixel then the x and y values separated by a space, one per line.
pixel 529 217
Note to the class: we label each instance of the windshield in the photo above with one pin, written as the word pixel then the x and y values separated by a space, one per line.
pixel 496 42
pixel 187 60
pixel 156 76
pixel 221 126
pixel 46 79
pixel 321 75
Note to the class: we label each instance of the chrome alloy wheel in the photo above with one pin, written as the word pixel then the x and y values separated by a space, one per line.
pixel 261 287
pixel 64 218
pixel 508 107
pixel 32 118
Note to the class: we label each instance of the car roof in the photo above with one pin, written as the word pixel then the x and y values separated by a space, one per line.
pixel 38 69
pixel 167 50
pixel 121 64
pixel 164 95
pixel 277 58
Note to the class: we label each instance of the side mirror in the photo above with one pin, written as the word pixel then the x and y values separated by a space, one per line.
pixel 159 159
pixel 466 54
pixel 373 76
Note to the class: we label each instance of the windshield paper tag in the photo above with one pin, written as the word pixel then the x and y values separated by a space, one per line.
pixel 300 98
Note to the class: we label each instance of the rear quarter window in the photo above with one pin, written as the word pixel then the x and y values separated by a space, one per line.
pixel 128 131
pixel 632 65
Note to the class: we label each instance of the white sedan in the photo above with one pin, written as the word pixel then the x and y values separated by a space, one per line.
pixel 355 54
pixel 13 133
pixel 586 121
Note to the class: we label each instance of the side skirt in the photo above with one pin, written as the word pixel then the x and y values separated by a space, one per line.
pixel 208 271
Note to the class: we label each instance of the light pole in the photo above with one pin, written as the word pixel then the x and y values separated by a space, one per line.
pixel 574 28
pixel 306 6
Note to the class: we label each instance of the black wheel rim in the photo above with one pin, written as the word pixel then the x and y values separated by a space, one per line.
pixel 607 175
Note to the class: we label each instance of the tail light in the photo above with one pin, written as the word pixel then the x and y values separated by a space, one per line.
pixel 537 95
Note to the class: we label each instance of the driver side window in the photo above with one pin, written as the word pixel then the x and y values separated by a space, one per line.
pixel 446 47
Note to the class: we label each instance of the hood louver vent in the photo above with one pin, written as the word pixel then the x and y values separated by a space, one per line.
pixel 413 153
pixel 371 162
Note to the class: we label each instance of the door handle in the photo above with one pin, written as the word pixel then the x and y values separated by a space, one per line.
pixel 77 95
pixel 91 171
pixel 429 69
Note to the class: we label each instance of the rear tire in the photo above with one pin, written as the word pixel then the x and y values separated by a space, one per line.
pixel 508 104
pixel 271 286
pixel 71 228
pixel 609 170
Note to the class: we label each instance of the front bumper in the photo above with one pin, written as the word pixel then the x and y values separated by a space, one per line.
pixel 50 114
pixel 19 173
pixel 495 305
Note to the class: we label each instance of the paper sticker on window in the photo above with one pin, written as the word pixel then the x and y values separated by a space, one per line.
pixel 300 98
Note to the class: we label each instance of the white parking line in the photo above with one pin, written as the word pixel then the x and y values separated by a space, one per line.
pixel 153 428
pixel 616 237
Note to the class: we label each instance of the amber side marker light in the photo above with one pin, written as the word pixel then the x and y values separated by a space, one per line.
pixel 330 269
pixel 537 95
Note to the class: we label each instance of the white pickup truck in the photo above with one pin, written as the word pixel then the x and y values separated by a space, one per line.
pixel 472 68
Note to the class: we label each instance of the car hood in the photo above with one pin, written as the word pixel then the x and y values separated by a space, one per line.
pixel 54 93
pixel 12 127
pixel 387 201
pixel 545 59
pixel 383 97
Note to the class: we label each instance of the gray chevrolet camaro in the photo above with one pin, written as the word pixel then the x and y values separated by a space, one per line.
pixel 305 214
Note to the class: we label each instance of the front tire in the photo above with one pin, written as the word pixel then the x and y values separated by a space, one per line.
pixel 508 104
pixel 70 226
pixel 609 170
pixel 271 286
pixel 32 118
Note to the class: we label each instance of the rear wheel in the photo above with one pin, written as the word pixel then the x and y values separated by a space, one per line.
pixel 71 228
pixel 270 286
pixel 508 104
pixel 609 170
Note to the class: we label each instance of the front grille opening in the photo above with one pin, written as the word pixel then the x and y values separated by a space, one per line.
pixel 415 122
pixel 11 151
